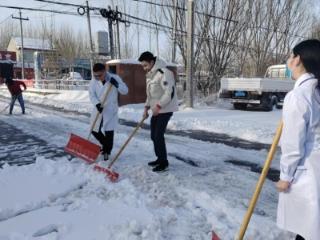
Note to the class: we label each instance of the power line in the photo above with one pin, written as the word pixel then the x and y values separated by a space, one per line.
pixel 156 27
pixel 68 4
pixel 7 18
pixel 168 29
pixel 79 6
pixel 212 16
pixel 184 9
pixel 38 10
pixel 147 21
pixel 184 33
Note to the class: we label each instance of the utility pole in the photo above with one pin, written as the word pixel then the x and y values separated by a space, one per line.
pixel 150 29
pixel 138 30
pixel 111 36
pixel 190 60
pixel 126 34
pixel 90 38
pixel 118 34
pixel 157 34
pixel 21 35
pixel 174 34
pixel 157 31
pixel 112 16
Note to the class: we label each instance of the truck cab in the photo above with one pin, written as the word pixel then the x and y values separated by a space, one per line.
pixel 278 71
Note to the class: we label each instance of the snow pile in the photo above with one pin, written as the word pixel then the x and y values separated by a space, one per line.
pixel 202 191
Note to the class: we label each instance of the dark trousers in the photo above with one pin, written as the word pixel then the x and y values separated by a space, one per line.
pixel 158 128
pixel 105 140
pixel 298 237
pixel 13 100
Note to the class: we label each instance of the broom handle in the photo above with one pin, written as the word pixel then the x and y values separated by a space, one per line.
pixel 98 113
pixel 128 140
pixel 262 178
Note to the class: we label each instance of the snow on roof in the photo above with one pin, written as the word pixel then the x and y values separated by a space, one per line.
pixel 124 61
pixel 7 61
pixel 33 43
pixel 134 61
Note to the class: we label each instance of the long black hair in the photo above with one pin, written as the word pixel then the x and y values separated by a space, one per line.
pixel 309 52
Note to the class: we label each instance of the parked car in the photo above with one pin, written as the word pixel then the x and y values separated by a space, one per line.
pixel 74 76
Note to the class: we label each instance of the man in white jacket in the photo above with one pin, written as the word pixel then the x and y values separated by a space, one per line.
pixel 108 119
pixel 162 100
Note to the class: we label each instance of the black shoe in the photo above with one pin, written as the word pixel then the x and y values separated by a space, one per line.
pixel 104 154
pixel 154 163
pixel 160 168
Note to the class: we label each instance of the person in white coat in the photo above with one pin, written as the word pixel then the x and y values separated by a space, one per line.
pixel 104 128
pixel 299 184
pixel 162 100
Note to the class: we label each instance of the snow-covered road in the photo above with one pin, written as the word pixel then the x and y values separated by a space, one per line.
pixel 60 199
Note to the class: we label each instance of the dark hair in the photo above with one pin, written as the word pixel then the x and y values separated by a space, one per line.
pixel 9 81
pixel 99 67
pixel 147 56
pixel 309 52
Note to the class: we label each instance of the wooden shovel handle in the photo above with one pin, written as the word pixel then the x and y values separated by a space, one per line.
pixel 98 113
pixel 262 178
pixel 128 140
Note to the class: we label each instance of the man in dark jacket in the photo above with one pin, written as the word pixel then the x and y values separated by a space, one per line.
pixel 14 88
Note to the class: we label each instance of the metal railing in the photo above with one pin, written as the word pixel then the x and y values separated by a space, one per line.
pixel 61 84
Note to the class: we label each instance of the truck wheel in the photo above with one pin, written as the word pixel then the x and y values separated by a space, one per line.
pixel 267 102
pixel 278 106
pixel 240 106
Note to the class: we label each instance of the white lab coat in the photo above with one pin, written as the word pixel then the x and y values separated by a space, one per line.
pixel 299 208
pixel 109 114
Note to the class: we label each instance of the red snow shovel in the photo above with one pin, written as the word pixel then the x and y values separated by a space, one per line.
pixel 83 148
pixel 113 176
pixel 215 236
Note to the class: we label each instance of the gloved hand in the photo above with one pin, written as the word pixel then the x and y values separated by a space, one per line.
pixel 156 110
pixel 99 107
pixel 145 113
pixel 114 82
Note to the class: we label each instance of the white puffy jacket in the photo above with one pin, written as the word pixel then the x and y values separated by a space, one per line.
pixel 161 88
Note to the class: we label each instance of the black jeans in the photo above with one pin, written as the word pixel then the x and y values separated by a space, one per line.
pixel 158 128
pixel 105 140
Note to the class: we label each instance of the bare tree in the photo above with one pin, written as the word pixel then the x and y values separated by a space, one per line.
pixel 222 38
pixel 315 31
pixel 278 25
pixel 8 30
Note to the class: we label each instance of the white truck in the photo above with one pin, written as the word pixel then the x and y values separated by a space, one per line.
pixel 265 92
